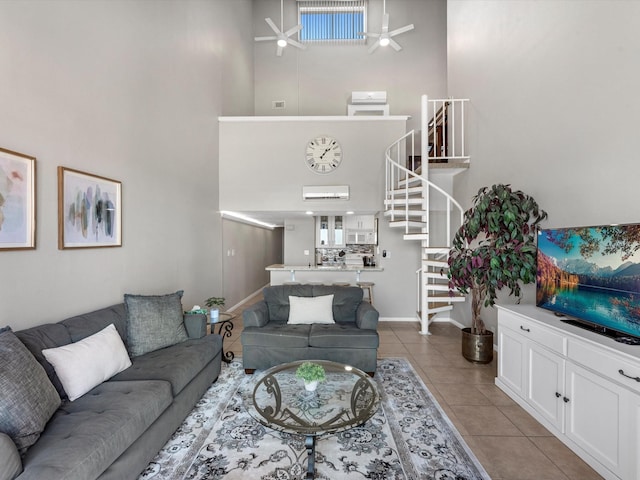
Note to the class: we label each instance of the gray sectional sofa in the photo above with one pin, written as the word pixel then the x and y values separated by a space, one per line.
pixel 269 338
pixel 116 429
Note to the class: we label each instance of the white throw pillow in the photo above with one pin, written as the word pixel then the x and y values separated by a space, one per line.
pixel 305 310
pixel 89 362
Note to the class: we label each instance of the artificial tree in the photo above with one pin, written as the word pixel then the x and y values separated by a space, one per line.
pixel 495 247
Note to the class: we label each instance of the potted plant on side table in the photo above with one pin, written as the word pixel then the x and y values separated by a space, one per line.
pixel 495 247
pixel 215 304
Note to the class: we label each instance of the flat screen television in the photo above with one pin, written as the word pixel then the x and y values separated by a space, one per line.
pixel 591 277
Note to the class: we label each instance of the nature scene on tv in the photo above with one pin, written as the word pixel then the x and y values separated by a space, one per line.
pixel 593 274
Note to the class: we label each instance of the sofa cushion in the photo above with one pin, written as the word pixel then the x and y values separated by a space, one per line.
pixel 37 339
pixel 277 335
pixel 342 336
pixel 345 301
pixel 28 397
pixel 89 362
pixel 10 462
pixel 81 326
pixel 153 322
pixel 177 364
pixel 86 436
pixel 305 310
pixel 277 299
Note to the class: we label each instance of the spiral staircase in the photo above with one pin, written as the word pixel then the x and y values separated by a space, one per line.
pixel 419 201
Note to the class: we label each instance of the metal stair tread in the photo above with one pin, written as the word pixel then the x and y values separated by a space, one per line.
pixel 416 236
pixel 407 190
pixel 405 223
pixel 437 287
pixel 437 250
pixel 403 201
pixel 435 263
pixel 445 298
pixel 436 275
pixel 405 212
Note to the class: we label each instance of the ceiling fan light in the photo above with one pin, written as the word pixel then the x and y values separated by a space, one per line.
pixel 282 42
pixel 384 41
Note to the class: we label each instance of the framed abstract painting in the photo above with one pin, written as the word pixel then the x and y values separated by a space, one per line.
pixel 89 210
pixel 17 201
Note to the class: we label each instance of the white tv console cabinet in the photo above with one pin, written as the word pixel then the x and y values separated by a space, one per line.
pixel 582 386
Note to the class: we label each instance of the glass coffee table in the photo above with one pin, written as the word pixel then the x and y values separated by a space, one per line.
pixel 346 399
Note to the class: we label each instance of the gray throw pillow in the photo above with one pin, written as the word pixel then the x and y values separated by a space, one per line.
pixel 154 322
pixel 28 398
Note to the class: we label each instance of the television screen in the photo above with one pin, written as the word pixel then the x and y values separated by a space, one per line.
pixel 592 274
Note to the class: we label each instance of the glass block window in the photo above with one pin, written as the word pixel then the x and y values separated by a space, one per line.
pixel 332 21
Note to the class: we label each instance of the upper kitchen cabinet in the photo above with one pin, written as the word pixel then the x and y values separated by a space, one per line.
pixel 362 229
pixel 330 231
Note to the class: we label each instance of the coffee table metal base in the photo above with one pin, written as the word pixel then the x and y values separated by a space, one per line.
pixel 310 443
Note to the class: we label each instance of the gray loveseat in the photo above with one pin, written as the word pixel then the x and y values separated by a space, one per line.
pixel 268 340
pixel 117 428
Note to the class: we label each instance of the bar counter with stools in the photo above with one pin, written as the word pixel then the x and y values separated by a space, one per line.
pixel 367 287
pixel 343 275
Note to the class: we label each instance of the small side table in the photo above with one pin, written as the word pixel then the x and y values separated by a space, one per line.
pixel 225 320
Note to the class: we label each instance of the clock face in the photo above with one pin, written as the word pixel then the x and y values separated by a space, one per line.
pixel 323 154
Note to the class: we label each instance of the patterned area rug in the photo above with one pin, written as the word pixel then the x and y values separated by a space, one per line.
pixel 410 437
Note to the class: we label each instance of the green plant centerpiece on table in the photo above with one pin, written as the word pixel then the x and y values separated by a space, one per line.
pixel 495 247
pixel 312 374
pixel 215 304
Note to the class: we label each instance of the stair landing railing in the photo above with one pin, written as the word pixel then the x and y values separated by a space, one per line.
pixel 399 182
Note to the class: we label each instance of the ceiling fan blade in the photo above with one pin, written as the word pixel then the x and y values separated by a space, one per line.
pixel 385 23
pixel 293 30
pixel 395 45
pixel 373 47
pixel 374 35
pixel 272 25
pixel 296 44
pixel 264 39
pixel 400 30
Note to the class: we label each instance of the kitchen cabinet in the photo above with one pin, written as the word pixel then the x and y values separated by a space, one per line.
pixel 330 231
pixel 361 229
pixel 585 391
pixel 361 222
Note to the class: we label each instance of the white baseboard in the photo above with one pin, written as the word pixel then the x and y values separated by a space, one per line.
pixel 398 319
pixel 244 300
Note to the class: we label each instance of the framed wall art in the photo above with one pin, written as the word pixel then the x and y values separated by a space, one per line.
pixel 89 210
pixel 17 201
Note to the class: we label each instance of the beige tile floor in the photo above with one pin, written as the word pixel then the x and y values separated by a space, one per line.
pixel 509 443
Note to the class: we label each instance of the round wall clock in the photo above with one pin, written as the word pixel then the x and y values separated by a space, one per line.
pixel 323 154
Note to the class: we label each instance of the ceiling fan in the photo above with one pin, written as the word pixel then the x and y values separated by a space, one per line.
pixel 385 37
pixel 282 37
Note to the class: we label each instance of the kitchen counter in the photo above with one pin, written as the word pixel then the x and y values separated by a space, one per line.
pixel 318 273
pixel 329 268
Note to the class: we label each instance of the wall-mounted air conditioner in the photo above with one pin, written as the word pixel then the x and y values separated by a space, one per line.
pixel 325 192
pixel 368 98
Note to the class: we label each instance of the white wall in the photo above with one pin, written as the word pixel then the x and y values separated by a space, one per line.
pixel 319 80
pixel 299 236
pixel 554 105
pixel 267 157
pixel 246 250
pixel 130 90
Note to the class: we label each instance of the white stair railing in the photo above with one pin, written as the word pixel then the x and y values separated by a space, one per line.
pixel 409 190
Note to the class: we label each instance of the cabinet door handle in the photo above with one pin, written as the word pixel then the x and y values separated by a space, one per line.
pixel 525 329
pixel 558 395
pixel 621 372
pixel 565 399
